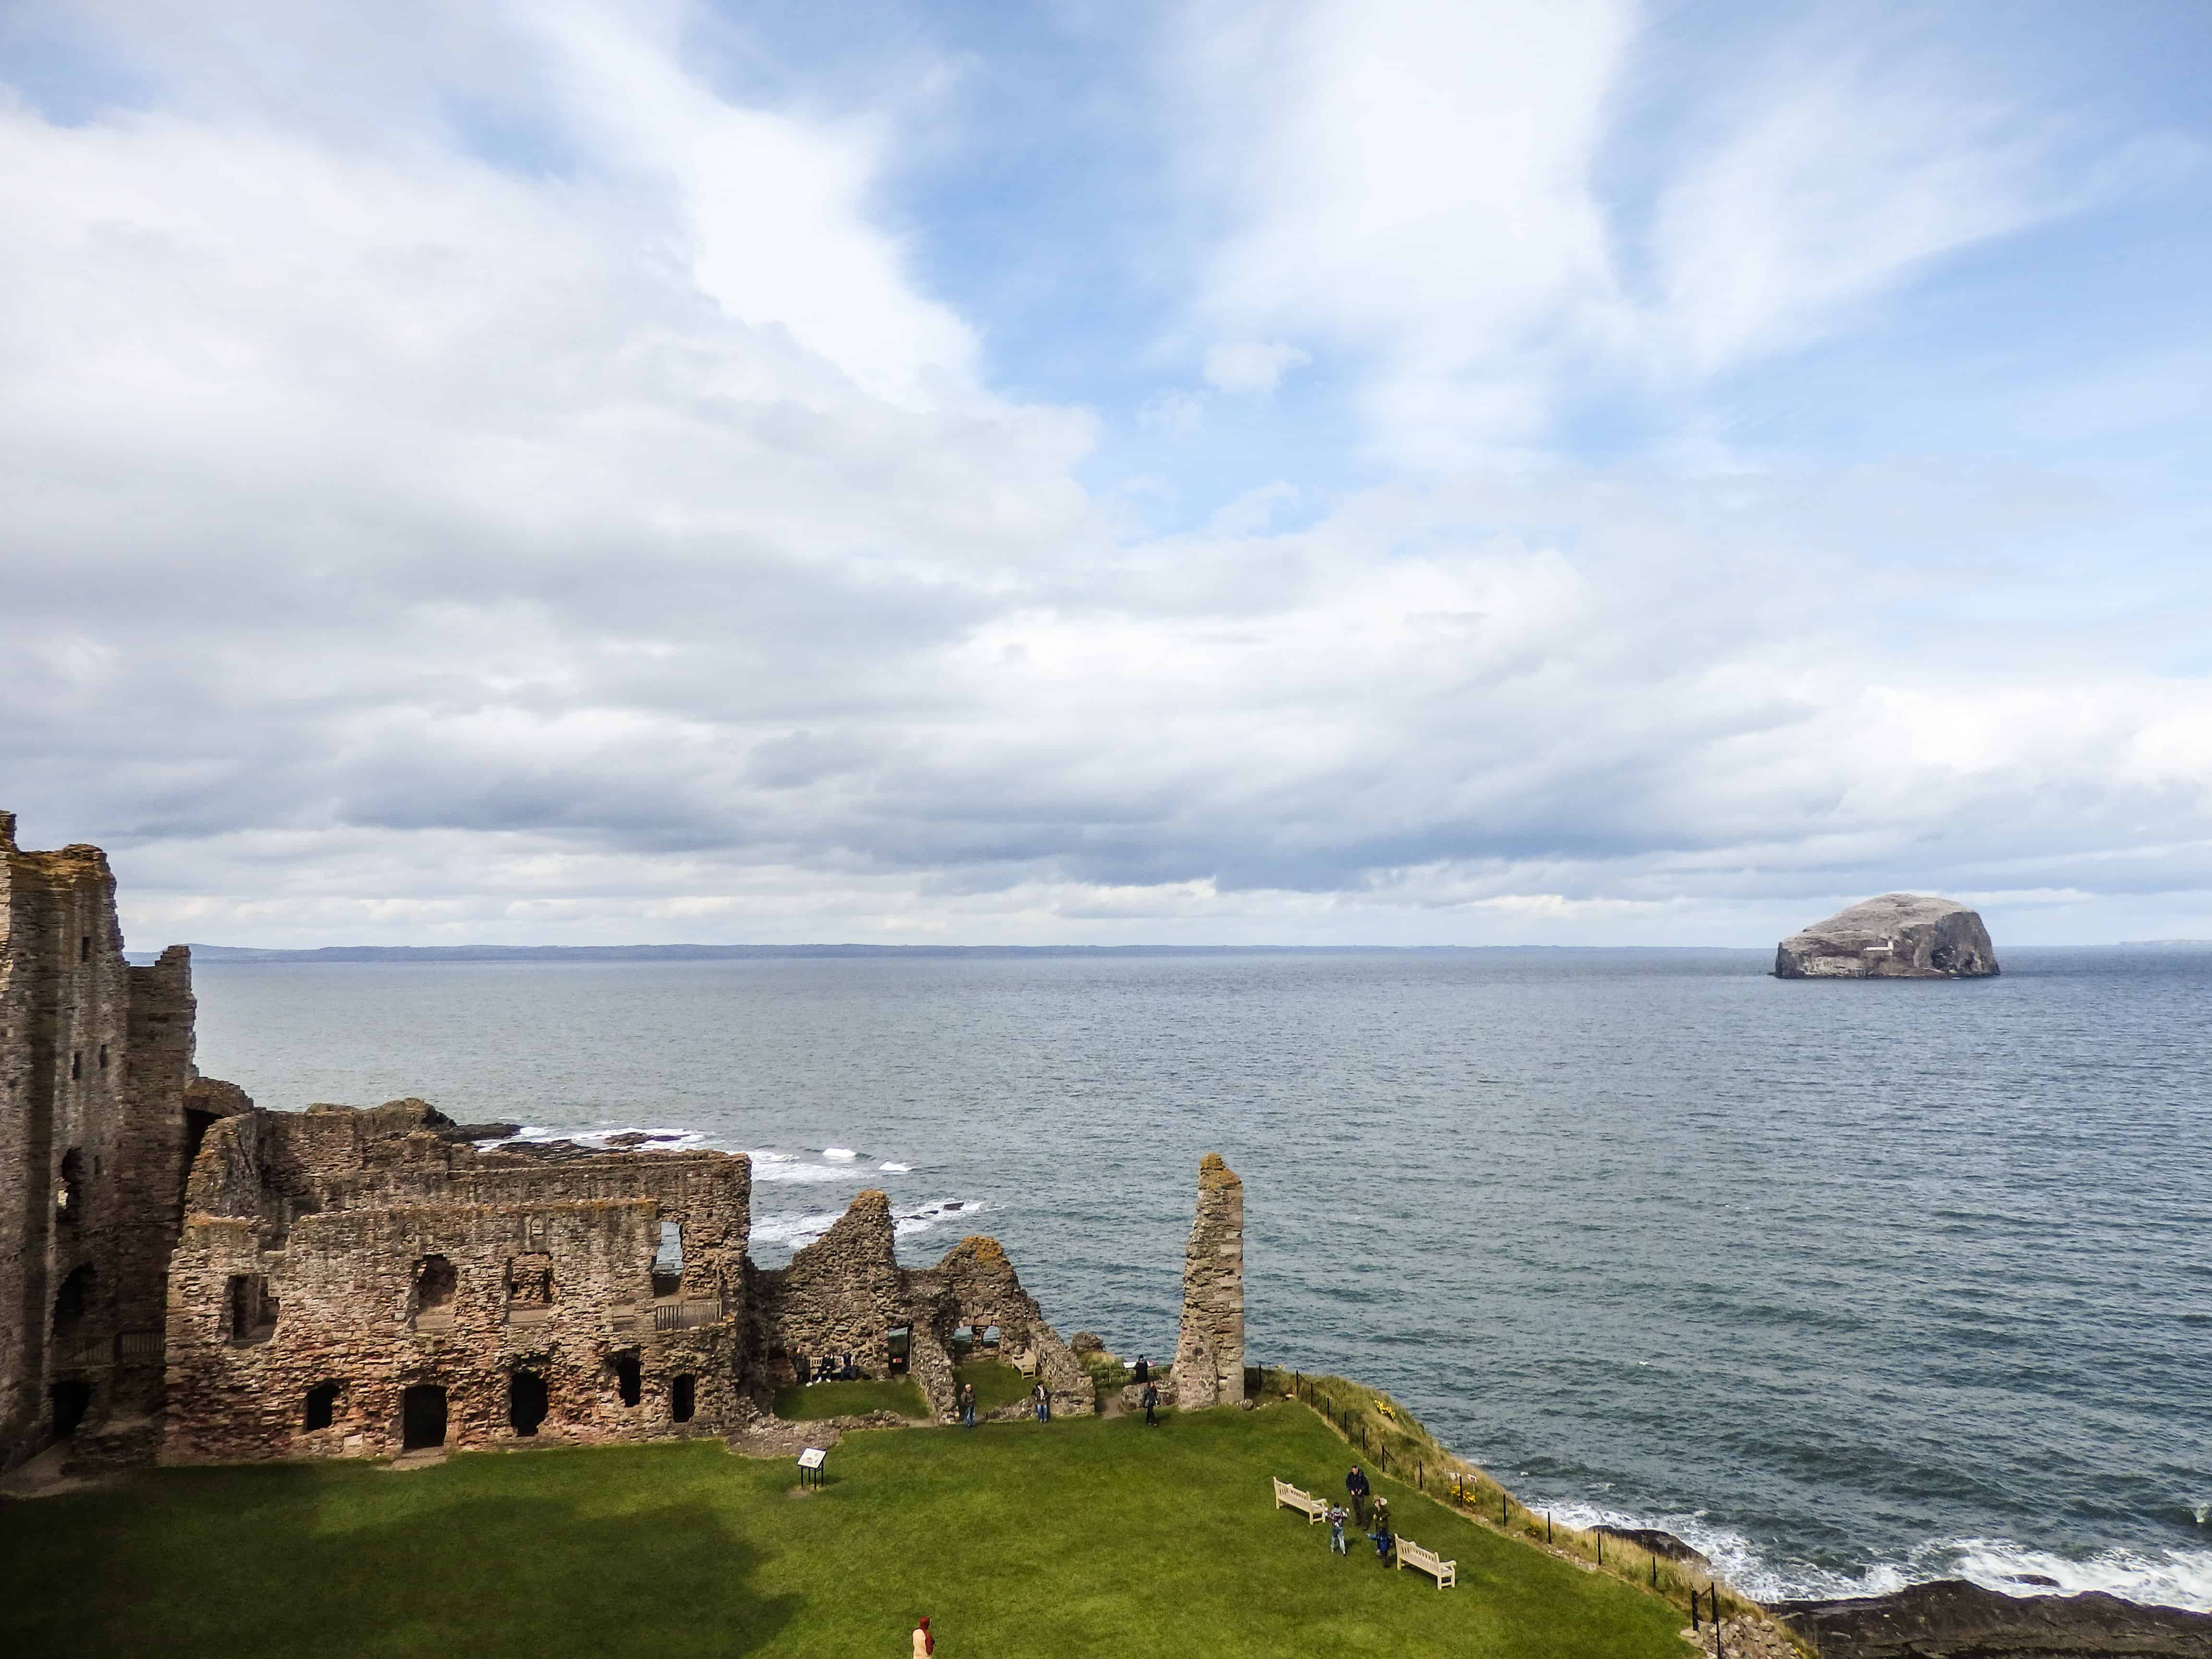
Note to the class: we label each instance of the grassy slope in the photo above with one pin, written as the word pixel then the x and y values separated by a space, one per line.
pixel 1083 1538
pixel 810 1401
pixel 995 1384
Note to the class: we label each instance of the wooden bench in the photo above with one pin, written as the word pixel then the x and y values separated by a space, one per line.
pixel 1410 1554
pixel 1289 1497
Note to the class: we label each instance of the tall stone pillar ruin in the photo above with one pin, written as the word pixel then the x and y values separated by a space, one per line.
pixel 1209 1362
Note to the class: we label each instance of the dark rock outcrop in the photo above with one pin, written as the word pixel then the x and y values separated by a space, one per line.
pixel 1896 936
pixel 1951 1619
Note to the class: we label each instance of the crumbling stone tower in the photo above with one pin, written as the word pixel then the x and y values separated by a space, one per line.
pixel 97 1126
pixel 1209 1362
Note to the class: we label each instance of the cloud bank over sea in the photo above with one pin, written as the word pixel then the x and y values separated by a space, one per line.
pixel 1394 473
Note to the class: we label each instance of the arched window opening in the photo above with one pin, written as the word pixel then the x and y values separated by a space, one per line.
pixel 423 1417
pixel 76 1064
pixel 435 1283
pixel 103 1056
pixel 683 1398
pixel 84 947
pixel 253 1310
pixel 526 1401
pixel 668 1260
pixel 321 1407
pixel 68 1191
pixel 74 1300
pixel 629 1376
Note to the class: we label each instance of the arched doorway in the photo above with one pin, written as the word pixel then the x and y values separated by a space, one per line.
pixel 423 1417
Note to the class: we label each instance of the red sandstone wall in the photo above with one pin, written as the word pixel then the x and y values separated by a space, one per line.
pixel 338 1249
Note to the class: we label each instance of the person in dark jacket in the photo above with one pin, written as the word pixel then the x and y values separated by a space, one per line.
pixel 1356 1484
pixel 1151 1397
pixel 1144 1369
pixel 1384 1540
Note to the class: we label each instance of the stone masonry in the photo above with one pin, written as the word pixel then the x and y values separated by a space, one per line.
pixel 99 1115
pixel 845 1293
pixel 1209 1362
pixel 356 1281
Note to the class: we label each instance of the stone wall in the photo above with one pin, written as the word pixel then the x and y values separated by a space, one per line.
pixel 364 1254
pixel 845 1293
pixel 1209 1362
pixel 96 1057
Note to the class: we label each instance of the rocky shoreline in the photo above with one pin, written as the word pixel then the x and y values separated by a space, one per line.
pixel 1951 1619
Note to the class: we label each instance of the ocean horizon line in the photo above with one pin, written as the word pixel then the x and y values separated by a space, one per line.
pixel 692 952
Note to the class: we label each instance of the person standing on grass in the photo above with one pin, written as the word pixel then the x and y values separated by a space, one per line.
pixel 1152 1406
pixel 1144 1369
pixel 968 1404
pixel 924 1643
pixel 1384 1541
pixel 1337 1516
pixel 1042 1398
pixel 1356 1484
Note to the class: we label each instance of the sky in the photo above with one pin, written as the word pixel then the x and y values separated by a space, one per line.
pixel 1327 471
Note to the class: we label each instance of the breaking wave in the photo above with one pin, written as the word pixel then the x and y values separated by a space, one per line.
pixel 921 1220
pixel 2169 1577
pixel 795 1229
pixel 600 1137
pixel 834 1164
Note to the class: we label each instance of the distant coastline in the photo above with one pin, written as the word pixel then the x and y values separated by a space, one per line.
pixel 218 954
pixel 428 953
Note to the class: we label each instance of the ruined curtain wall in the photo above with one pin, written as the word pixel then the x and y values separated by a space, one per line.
pixel 437 1266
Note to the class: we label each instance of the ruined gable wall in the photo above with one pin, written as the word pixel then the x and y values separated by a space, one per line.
pixel 1209 1362
pixel 975 1283
pixel 840 1294
pixel 343 1276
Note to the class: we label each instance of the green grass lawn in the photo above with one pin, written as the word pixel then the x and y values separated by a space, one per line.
pixel 1084 1539
pixel 995 1385
pixel 805 1402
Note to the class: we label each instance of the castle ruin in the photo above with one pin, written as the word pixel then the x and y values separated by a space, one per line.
pixel 1209 1362
pixel 185 1277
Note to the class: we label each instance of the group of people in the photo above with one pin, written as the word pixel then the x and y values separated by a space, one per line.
pixel 1355 1484
pixel 835 1368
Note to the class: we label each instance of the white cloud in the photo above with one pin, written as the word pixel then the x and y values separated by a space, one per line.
pixel 1251 368
pixel 1442 192
pixel 407 544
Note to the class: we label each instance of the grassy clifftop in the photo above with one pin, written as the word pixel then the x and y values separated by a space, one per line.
pixel 1086 1537
pixel 1389 1438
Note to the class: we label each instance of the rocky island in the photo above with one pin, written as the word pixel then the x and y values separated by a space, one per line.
pixel 1895 936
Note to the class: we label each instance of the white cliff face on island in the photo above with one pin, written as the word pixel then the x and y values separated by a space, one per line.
pixel 1896 936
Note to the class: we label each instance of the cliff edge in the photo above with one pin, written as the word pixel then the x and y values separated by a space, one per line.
pixel 1896 936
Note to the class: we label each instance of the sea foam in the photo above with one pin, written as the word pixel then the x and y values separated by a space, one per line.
pixel 2170 1577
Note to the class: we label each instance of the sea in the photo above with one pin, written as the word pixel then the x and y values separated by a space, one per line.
pixel 1848 1284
